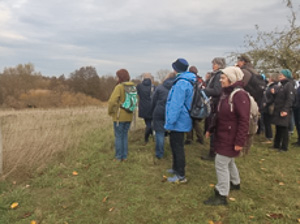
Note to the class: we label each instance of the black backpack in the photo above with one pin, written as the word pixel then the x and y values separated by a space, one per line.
pixel 200 107
pixel 256 87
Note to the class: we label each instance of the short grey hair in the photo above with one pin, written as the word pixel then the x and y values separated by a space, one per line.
pixel 220 62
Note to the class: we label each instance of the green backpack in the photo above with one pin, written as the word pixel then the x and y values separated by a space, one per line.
pixel 130 103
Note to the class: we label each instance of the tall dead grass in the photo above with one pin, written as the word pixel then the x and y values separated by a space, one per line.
pixel 31 137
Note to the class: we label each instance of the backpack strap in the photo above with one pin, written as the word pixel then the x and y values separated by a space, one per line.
pixel 237 89
pixel 191 82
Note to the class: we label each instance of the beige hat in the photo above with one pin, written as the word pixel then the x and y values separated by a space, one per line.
pixel 233 73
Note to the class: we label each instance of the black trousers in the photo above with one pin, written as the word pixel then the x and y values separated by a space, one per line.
pixel 177 146
pixel 297 121
pixel 281 140
pixel 268 127
pixel 148 129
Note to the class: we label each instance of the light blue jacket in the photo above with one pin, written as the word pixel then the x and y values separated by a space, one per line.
pixel 179 103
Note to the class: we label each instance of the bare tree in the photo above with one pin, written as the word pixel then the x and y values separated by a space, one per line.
pixel 276 49
pixel 161 74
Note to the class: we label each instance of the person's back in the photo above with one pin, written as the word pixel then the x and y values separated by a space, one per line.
pixel 179 102
pixel 178 120
pixel 144 93
pixel 158 115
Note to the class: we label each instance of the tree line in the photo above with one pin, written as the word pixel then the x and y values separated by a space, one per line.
pixel 22 87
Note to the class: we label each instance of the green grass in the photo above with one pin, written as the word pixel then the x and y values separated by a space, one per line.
pixel 136 193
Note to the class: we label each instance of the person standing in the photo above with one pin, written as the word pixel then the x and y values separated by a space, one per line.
pixel 267 107
pixel 121 118
pixel 284 97
pixel 196 123
pixel 231 133
pixel 145 91
pixel 178 120
pixel 213 90
pixel 158 113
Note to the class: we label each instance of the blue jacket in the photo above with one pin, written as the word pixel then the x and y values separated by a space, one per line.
pixel 179 103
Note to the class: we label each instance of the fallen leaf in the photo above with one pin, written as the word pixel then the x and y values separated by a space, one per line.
pixel 27 186
pixel 263 168
pixel 165 178
pixel 33 222
pixel 298 220
pixel 262 160
pixel 14 205
pixel 275 216
pixel 211 222
pixel 75 173
pixel 14 182
pixel 232 199
pixel 281 183
pixel 111 209
pixel 105 199
pixel 26 215
pixel 211 185
pixel 251 217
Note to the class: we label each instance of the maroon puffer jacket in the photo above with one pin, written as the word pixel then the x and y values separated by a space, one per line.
pixel 232 127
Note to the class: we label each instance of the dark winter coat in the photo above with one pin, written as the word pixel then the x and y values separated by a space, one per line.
pixel 283 102
pixel 231 127
pixel 144 91
pixel 268 99
pixel 248 70
pixel 158 105
pixel 214 89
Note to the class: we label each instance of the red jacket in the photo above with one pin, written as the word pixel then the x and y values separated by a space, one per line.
pixel 231 126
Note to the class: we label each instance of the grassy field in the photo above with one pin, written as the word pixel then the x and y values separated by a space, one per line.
pixel 85 185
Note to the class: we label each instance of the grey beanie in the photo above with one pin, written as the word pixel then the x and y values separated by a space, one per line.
pixel 219 61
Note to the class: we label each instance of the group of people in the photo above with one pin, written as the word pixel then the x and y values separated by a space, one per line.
pixel 166 110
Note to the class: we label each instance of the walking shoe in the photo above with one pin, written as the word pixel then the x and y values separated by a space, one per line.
pixel 217 199
pixel 177 179
pixel 234 186
pixel 171 171
pixel 208 157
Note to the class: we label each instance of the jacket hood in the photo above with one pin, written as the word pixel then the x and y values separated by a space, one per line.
pixel 186 75
pixel 146 82
pixel 168 83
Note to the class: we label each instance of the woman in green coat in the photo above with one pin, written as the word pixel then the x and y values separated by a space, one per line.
pixel 121 118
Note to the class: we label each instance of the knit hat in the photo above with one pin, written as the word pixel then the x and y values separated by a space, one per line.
pixel 287 73
pixel 193 69
pixel 220 62
pixel 233 73
pixel 180 65
pixel 123 75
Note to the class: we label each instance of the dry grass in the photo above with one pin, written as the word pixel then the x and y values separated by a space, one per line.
pixel 30 138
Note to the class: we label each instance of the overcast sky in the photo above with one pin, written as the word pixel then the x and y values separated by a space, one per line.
pixel 60 36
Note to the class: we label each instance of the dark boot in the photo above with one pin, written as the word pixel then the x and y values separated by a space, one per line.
pixel 234 186
pixel 216 200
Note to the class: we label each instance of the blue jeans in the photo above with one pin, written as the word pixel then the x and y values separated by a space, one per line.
pixel 159 144
pixel 121 139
